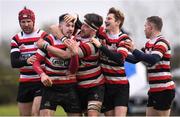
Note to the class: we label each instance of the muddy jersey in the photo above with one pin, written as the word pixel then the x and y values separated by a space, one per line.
pixel 89 73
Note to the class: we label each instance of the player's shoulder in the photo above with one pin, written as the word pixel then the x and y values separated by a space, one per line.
pixel 17 36
pixel 124 36
pixel 162 39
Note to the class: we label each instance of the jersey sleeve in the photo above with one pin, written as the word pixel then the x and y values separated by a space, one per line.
pixel 40 55
pixel 87 49
pixel 74 64
pixel 114 56
pixel 122 49
pixel 15 55
pixel 160 48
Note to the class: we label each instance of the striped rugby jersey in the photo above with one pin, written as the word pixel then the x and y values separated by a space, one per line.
pixel 25 44
pixel 159 75
pixel 89 73
pixel 114 72
pixel 55 67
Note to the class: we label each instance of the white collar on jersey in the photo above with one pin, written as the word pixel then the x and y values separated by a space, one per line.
pixel 153 40
pixel 114 36
pixel 84 40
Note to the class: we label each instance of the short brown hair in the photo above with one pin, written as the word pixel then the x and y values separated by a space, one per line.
pixel 157 21
pixel 118 15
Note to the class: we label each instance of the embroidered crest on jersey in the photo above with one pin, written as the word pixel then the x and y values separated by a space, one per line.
pixel 59 62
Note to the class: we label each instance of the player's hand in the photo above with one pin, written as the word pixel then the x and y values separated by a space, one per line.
pixel 70 17
pixel 129 44
pixel 31 60
pixel 70 76
pixel 40 43
pixel 72 45
pixel 55 31
pixel 46 80
pixel 96 42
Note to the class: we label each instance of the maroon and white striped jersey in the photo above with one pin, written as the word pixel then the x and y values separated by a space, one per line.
pixel 55 67
pixel 114 72
pixel 25 45
pixel 159 75
pixel 89 73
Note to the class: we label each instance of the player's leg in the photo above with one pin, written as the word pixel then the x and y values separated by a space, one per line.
pixel 25 108
pixel 95 99
pixel 120 111
pixel 36 106
pixel 121 99
pixel 49 101
pixel 163 112
pixel 159 103
pixel 47 112
pixel 164 101
pixel 150 111
pixel 109 113
pixel 83 96
pixel 108 107
pixel 94 108
pixel 37 98
pixel 70 100
pixel 74 114
pixel 24 99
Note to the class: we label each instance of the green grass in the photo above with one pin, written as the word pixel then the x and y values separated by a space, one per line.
pixel 8 110
pixel 12 110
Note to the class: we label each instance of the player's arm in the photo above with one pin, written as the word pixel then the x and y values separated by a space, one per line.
pixel 59 52
pixel 75 17
pixel 74 61
pixel 37 67
pixel 114 56
pixel 45 44
pixel 17 60
pixel 131 59
pixel 160 47
pixel 151 59
pixel 82 49
pixel 117 57
pixel 74 64
pixel 148 58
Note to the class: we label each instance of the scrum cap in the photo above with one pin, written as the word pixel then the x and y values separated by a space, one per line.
pixel 26 14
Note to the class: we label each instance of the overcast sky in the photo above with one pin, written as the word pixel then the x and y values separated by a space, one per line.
pixel 48 11
pixel 136 11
